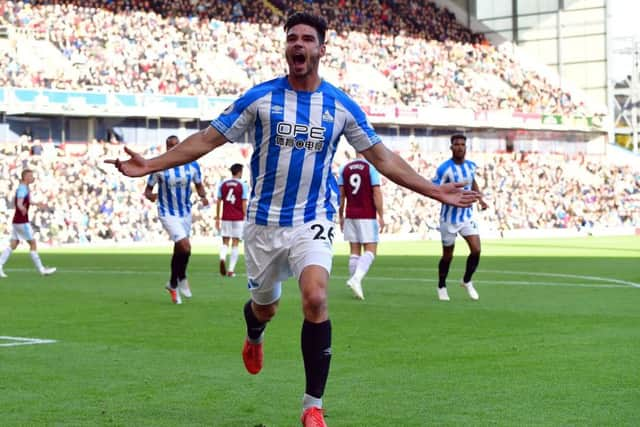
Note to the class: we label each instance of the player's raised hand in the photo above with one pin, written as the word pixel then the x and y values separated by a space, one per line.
pixel 453 193
pixel 135 166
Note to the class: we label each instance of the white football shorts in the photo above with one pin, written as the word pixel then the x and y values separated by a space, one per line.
pixel 361 230
pixel 177 227
pixel 232 229
pixel 449 231
pixel 22 232
pixel 273 254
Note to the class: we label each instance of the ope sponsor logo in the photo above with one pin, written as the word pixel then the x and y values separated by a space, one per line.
pixel 300 136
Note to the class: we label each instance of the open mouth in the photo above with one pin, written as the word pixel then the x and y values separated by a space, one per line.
pixel 299 59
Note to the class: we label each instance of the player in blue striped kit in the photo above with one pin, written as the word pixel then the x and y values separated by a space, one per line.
pixel 295 123
pixel 454 220
pixel 174 213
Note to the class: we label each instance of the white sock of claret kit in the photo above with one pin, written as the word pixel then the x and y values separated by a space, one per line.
pixel 223 252
pixel 353 263
pixel 364 263
pixel 36 260
pixel 5 255
pixel 233 259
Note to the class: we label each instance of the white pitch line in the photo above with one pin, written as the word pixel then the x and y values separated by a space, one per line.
pixel 16 341
pixel 568 276
pixel 495 282
pixel 537 273
pixel 566 285
pixel 80 271
pixel 609 280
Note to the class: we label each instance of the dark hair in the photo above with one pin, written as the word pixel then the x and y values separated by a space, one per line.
pixel 172 137
pixel 314 21
pixel 236 168
pixel 458 136
pixel 25 172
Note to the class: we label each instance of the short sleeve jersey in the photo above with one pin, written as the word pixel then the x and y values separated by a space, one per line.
pixel 294 135
pixel 174 188
pixel 450 171
pixel 358 178
pixel 21 193
pixel 232 192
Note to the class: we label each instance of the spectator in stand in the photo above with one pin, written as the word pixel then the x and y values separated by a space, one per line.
pixel 523 191
pixel 163 47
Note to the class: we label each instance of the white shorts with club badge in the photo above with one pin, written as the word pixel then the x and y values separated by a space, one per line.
pixel 178 227
pixel 449 231
pixel 22 232
pixel 274 253
pixel 231 229
pixel 361 230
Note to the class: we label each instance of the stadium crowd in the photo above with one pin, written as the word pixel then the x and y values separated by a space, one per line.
pixel 420 54
pixel 414 53
pixel 79 199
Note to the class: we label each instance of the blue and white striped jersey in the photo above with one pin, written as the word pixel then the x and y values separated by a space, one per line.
pixel 450 171
pixel 174 188
pixel 295 135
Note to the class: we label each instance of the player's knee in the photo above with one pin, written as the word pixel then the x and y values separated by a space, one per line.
pixel 314 301
pixel 447 257
pixel 184 246
pixel 264 313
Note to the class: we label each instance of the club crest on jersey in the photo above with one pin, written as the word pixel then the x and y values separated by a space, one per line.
pixel 252 284
pixel 302 137
pixel 229 109
pixel 178 181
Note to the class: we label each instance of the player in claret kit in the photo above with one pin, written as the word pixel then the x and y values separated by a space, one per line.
pixel 231 208
pixel 21 227
pixel 360 202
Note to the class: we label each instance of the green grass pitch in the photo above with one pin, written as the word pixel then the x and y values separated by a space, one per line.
pixel 554 340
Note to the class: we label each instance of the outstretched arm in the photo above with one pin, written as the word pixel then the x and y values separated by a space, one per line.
pixel 192 148
pixel 397 170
